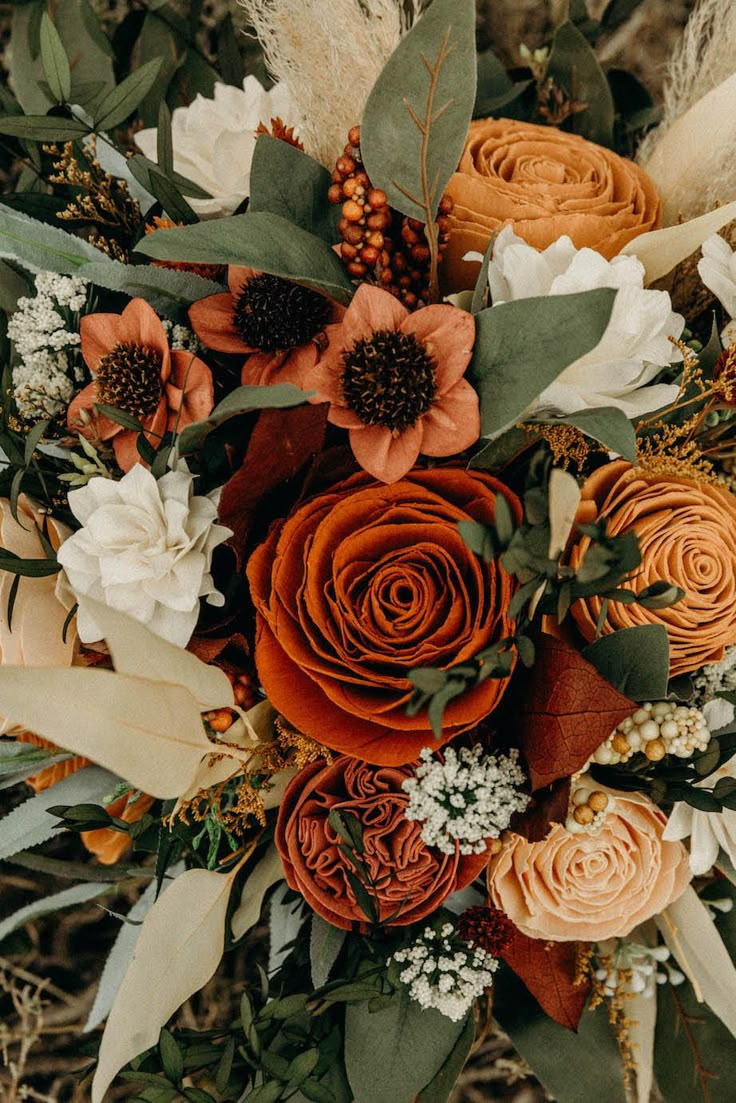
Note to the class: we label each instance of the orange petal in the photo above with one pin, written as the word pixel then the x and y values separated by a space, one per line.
pixel 104 428
pixel 237 276
pixel 448 334
pixel 371 309
pixel 141 325
pixel 212 321
pixel 99 333
pixel 192 380
pixel 453 422
pixel 383 455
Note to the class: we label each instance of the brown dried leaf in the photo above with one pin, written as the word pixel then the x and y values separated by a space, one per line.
pixel 549 970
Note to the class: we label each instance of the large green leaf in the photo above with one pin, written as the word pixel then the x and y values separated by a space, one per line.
pixel 441 1086
pixel 574 68
pixel 523 346
pixel 30 823
pixel 41 247
pixel 412 1043
pixel 416 117
pixel 242 400
pixel 634 660
pixel 259 240
pixel 606 424
pixel 572 1066
pixel 287 182
pixel 694 1053
pixel 164 288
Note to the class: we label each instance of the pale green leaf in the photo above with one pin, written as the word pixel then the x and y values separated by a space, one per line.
pixel 164 288
pixel 325 943
pixel 575 69
pixel 41 247
pixel 122 100
pixel 290 183
pixel 265 873
pixel 67 898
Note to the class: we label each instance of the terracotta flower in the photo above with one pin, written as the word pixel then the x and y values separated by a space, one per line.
pixel 687 536
pixel 545 183
pixel 590 886
pixel 395 381
pixel 262 314
pixel 411 878
pixel 364 582
pixel 134 370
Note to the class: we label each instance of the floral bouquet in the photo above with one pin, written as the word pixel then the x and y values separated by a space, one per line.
pixel 368 545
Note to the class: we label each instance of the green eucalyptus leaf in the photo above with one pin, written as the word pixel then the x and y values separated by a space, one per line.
pixel 634 660
pixel 260 240
pixel 172 1058
pixel 523 346
pixel 575 69
pixel 54 60
pixel 416 117
pixel 289 183
pixel 122 101
pixel 43 128
pixel 414 1043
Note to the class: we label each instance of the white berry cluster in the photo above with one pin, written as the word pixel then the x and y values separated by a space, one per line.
pixel 45 333
pixel 632 970
pixel 444 972
pixel 656 729
pixel 464 798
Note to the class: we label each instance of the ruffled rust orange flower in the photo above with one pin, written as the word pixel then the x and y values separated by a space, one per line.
pixel 687 536
pixel 411 879
pixel 134 370
pixel 261 314
pixel 545 183
pixel 364 582
pixel 395 381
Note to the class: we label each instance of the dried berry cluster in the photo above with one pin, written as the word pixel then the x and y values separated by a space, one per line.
pixel 379 243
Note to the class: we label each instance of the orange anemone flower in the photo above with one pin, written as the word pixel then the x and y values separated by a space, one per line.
pixel 394 380
pixel 261 313
pixel 134 370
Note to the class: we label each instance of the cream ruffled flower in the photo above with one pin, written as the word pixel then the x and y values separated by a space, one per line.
pixel 709 832
pixel 145 548
pixel 717 270
pixel 636 345
pixel 214 140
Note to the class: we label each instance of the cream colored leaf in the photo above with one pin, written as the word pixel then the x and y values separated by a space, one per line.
pixel 694 941
pixel 564 498
pixel 138 651
pixel 179 948
pixel 703 135
pixel 149 733
pixel 272 797
pixel 641 1015
pixel 268 871
pixel 662 250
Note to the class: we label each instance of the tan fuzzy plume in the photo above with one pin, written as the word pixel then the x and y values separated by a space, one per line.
pixel 329 52
pixel 704 59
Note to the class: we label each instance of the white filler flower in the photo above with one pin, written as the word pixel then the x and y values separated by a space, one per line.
pixel 145 548
pixel 709 832
pixel 636 345
pixel 443 972
pixel 717 270
pixel 214 140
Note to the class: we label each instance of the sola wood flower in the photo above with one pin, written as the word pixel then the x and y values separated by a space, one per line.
pixel 135 371
pixel 395 381
pixel 263 314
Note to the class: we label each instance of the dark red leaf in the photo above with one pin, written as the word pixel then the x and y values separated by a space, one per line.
pixel 567 711
pixel 548 806
pixel 549 969
pixel 283 442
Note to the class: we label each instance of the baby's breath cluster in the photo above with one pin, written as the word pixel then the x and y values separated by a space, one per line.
pixel 45 332
pixel 181 337
pixel 465 797
pixel 443 972
pixel 656 729
pixel 631 969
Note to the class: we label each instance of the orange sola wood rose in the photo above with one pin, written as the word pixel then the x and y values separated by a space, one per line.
pixel 410 879
pixel 364 582
pixel 687 536
pixel 134 370
pixel 545 183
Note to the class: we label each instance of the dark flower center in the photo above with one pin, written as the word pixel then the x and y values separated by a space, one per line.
pixel 389 379
pixel 271 313
pixel 129 378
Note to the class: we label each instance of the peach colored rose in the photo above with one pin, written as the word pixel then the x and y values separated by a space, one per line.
pixel 411 879
pixel 364 582
pixel 590 886
pixel 687 536
pixel 545 183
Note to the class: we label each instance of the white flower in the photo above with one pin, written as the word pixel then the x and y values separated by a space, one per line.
pixel 717 270
pixel 443 972
pixel 145 548
pixel 633 350
pixel 214 140
pixel 709 832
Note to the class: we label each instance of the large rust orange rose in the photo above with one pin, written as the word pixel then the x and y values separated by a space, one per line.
pixel 545 183
pixel 590 886
pixel 687 536
pixel 411 879
pixel 364 582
